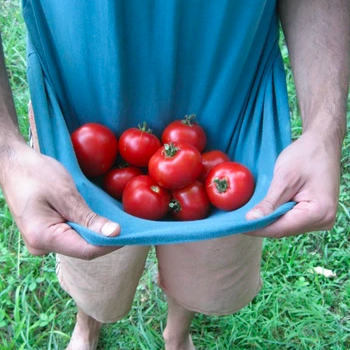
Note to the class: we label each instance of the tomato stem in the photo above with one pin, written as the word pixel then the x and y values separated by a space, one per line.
pixel 189 120
pixel 143 127
pixel 221 184
pixel 170 150
pixel 175 205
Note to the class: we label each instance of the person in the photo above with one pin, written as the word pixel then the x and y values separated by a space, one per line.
pixel 191 275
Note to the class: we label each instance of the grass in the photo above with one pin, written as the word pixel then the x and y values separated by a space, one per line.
pixel 295 310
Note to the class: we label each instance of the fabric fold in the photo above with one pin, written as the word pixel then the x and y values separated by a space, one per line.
pixel 231 76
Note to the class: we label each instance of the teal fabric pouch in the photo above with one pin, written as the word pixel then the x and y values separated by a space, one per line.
pixel 121 63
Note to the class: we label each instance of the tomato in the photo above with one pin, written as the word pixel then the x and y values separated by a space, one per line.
pixel 116 179
pixel 175 165
pixel 190 202
pixel 144 198
pixel 229 185
pixel 137 145
pixel 187 130
pixel 209 160
pixel 96 148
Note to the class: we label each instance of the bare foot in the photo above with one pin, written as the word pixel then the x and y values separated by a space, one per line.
pixel 176 334
pixel 186 344
pixel 86 333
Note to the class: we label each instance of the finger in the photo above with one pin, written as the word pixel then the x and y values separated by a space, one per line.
pixel 73 208
pixel 304 217
pixel 277 195
pixel 99 224
pixel 61 238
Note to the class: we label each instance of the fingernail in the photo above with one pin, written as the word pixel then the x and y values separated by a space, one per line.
pixel 256 214
pixel 109 228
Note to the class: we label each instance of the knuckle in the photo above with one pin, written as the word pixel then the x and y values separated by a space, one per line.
pixel 326 214
pixel 70 201
pixel 327 211
pixel 282 174
pixel 71 198
pixel 36 252
pixel 90 218
pixel 286 178
pixel 269 204
pixel 329 218
pixel 33 241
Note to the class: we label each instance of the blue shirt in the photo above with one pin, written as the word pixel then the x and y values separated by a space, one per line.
pixel 124 62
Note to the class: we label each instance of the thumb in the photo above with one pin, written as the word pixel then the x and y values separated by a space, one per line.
pixel 76 210
pixel 99 224
pixel 277 195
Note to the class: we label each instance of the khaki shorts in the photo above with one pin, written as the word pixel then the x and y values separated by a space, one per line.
pixel 214 277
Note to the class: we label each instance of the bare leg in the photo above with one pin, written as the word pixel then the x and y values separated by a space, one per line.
pixel 86 333
pixel 177 332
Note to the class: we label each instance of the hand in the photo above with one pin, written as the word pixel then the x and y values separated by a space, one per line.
pixel 307 172
pixel 42 197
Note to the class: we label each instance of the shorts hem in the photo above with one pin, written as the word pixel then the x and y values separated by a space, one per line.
pixel 60 278
pixel 226 312
pixel 114 320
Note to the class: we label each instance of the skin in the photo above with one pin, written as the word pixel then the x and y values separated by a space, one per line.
pixel 308 171
pixel 317 34
pixel 40 209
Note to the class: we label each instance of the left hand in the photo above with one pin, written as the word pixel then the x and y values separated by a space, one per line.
pixel 308 173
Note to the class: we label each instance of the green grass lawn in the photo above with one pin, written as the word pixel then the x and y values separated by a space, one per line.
pixel 295 310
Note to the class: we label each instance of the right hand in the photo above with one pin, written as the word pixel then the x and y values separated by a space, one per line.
pixel 308 173
pixel 42 197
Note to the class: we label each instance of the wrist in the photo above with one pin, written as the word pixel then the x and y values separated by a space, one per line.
pixel 9 152
pixel 324 142
pixel 10 135
pixel 327 127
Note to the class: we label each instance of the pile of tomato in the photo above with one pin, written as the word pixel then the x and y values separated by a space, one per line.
pixel 159 176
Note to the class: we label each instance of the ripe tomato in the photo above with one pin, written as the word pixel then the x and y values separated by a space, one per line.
pixel 144 198
pixel 186 130
pixel 116 179
pixel 209 160
pixel 190 202
pixel 229 185
pixel 96 148
pixel 175 165
pixel 137 145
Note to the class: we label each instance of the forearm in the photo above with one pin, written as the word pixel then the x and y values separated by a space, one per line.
pixel 9 130
pixel 10 135
pixel 317 33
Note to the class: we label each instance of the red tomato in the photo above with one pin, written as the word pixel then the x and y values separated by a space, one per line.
pixel 144 198
pixel 209 160
pixel 190 202
pixel 186 130
pixel 116 179
pixel 137 145
pixel 229 185
pixel 96 148
pixel 175 165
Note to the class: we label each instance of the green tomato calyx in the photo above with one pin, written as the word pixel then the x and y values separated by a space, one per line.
pixel 170 150
pixel 221 184
pixel 175 205
pixel 189 120
pixel 143 127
